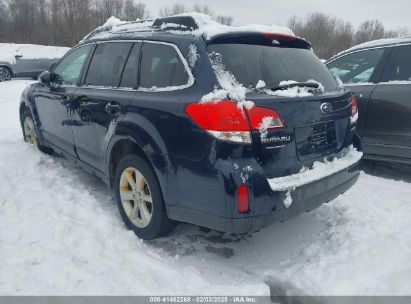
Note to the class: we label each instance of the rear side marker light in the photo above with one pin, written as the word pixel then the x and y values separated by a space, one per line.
pixel 243 198
pixel 226 121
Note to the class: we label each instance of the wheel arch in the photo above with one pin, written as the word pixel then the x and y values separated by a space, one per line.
pixel 7 66
pixel 121 145
pixel 23 107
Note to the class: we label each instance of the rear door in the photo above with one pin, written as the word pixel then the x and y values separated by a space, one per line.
pixel 101 100
pixel 388 121
pixel 360 72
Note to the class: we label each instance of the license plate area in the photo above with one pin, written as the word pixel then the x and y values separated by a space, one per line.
pixel 318 139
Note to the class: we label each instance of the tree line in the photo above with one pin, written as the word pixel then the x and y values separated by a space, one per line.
pixel 330 35
pixel 65 22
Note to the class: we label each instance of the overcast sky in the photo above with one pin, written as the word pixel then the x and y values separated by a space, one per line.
pixel 393 13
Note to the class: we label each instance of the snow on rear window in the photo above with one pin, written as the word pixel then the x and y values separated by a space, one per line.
pixel 229 88
pixel 254 65
pixel 192 55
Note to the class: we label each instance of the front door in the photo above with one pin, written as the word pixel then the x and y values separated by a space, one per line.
pixel 52 103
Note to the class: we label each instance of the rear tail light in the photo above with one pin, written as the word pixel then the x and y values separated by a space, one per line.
pixel 262 118
pixel 226 121
pixel 354 109
pixel 242 198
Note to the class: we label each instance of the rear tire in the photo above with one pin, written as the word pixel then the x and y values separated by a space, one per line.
pixel 139 198
pixel 5 73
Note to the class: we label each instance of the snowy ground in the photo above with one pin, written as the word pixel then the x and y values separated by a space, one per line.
pixel 61 234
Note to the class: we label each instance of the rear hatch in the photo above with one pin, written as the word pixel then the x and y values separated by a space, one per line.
pixel 308 134
pixel 283 74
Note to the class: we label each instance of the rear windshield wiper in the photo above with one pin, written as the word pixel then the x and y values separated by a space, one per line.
pixel 297 84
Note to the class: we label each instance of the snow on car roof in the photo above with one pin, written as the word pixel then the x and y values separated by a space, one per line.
pixel 376 43
pixel 187 23
pixel 8 51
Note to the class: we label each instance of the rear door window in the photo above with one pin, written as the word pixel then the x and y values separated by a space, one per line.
pixel 356 67
pixel 162 67
pixel 399 65
pixel 130 74
pixel 107 64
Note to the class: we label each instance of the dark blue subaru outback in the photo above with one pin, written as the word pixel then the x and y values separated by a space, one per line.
pixel 227 128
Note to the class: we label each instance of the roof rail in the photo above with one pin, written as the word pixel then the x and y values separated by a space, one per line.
pixel 176 23
pixel 108 28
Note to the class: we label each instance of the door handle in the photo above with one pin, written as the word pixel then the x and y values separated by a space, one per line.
pixel 85 115
pixel 113 109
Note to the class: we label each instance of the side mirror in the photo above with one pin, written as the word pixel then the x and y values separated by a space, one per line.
pixel 44 78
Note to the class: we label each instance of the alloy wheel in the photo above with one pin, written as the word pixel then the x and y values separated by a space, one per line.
pixel 29 131
pixel 136 197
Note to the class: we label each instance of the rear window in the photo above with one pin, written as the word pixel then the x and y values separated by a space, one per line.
pixel 251 63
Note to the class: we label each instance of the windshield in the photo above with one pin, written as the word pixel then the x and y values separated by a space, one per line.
pixel 251 63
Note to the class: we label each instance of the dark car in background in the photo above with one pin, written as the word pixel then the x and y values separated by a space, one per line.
pixel 147 109
pixel 379 74
pixel 27 60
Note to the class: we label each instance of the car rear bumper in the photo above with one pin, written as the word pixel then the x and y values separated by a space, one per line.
pixel 311 196
pixel 267 205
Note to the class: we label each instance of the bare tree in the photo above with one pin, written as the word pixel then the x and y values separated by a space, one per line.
pixel 178 8
pixel 4 22
pixel 76 19
pixel 134 11
pixel 111 8
pixel 175 9
pixel 203 9
pixel 227 20
pixel 65 22
pixel 401 32
pixel 327 34
pixel 369 30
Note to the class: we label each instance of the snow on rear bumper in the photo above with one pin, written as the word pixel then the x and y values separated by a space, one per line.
pixel 320 170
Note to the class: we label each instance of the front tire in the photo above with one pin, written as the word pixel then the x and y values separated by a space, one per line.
pixel 30 133
pixel 29 129
pixel 139 198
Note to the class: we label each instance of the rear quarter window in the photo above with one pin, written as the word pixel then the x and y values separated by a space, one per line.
pixel 162 67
